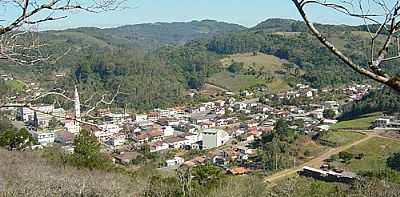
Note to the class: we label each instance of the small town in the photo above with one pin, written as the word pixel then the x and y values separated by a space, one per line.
pixel 221 132
pixel 227 98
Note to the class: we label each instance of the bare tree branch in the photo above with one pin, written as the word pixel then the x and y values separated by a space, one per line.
pixel 388 26
pixel 33 13
pixel 29 103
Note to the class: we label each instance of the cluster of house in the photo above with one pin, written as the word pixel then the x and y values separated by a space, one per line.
pixel 387 122
pixel 208 125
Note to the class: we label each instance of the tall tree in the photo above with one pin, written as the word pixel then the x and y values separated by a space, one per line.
pixel 87 152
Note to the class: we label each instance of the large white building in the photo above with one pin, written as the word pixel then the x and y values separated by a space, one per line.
pixel 28 115
pixel 40 115
pixel 213 138
pixel 107 131
pixel 43 137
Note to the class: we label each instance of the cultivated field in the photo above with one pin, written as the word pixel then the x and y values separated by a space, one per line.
pixel 267 63
pixel 239 82
pixel 376 151
pixel 341 138
pixel 361 122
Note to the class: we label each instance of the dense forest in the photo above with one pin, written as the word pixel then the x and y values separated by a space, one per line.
pixel 146 81
pixel 383 99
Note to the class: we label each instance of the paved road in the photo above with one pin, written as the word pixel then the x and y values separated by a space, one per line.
pixel 316 162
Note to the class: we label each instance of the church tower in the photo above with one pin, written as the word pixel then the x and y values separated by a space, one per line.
pixel 77 108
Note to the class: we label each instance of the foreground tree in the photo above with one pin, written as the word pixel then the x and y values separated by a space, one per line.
pixel 87 152
pixel 381 21
pixel 14 139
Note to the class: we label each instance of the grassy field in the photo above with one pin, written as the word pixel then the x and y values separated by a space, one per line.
pixel 342 137
pixel 361 122
pixel 268 63
pixel 376 151
pixel 15 85
pixel 233 82
pixel 236 83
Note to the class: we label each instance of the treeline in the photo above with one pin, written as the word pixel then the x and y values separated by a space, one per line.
pixel 385 99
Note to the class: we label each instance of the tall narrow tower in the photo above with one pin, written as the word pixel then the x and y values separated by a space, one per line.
pixel 77 107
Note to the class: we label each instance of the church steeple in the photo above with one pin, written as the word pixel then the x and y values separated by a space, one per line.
pixel 77 105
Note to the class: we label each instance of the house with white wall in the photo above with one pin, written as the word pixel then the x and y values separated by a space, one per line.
pixel 213 138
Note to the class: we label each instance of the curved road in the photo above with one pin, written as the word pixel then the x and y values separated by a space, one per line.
pixel 316 162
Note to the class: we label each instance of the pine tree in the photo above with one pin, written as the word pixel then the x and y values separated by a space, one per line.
pixel 87 152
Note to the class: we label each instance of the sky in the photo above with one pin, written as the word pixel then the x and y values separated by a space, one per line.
pixel 244 12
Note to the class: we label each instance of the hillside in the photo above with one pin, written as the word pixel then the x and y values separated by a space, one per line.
pixel 302 49
pixel 258 69
pixel 168 58
pixel 259 61
pixel 149 35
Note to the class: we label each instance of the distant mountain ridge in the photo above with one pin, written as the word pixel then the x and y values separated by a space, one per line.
pixel 148 35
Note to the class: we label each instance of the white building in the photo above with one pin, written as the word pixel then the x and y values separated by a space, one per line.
pixel 168 131
pixel 158 146
pixel 27 114
pixel 43 137
pixel 213 138
pixel 140 117
pixel 107 130
pixel 174 162
pixel 118 140
pixel 117 118
pixel 72 127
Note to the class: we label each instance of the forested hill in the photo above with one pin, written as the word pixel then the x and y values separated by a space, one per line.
pixel 168 58
pixel 148 36
pixel 290 40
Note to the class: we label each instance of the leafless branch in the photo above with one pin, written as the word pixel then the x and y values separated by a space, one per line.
pixel 384 17
pixel 29 103
pixel 34 12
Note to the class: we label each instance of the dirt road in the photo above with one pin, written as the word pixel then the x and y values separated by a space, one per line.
pixel 316 162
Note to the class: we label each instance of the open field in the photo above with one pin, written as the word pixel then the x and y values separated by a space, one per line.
pixel 361 122
pixel 376 151
pixel 268 63
pixel 233 82
pixel 236 83
pixel 316 162
pixel 342 137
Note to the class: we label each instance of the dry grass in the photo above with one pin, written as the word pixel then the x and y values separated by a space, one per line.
pixel 28 174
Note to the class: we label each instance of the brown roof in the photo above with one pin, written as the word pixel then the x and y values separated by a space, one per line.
pixel 65 135
pixel 174 139
pixel 149 133
pixel 239 171
pixel 199 160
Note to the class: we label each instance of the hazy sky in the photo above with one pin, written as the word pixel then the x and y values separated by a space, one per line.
pixel 244 12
